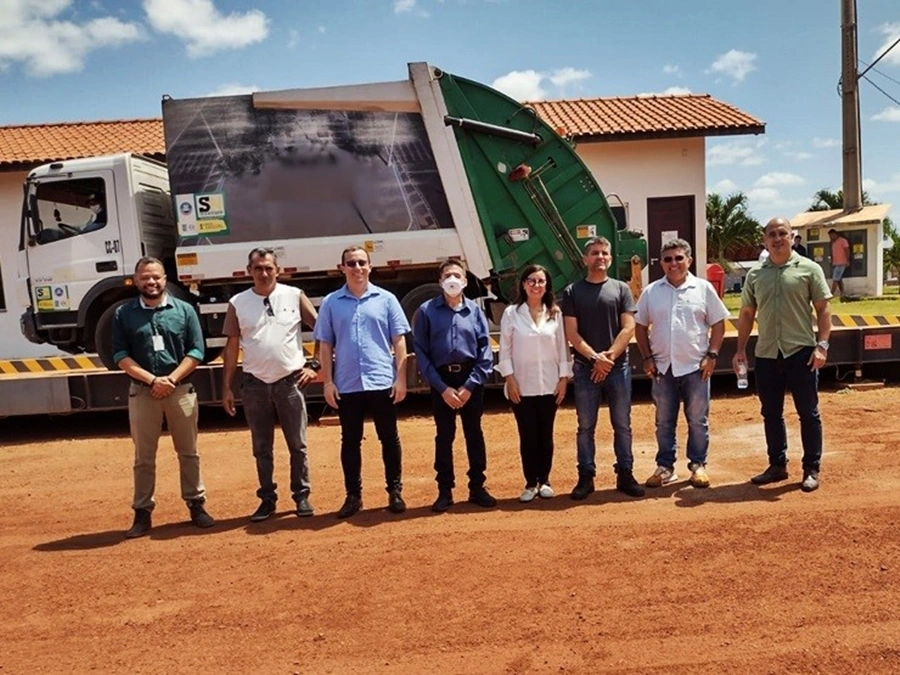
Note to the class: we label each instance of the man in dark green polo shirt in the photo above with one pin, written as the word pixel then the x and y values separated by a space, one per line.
pixel 157 341
pixel 781 293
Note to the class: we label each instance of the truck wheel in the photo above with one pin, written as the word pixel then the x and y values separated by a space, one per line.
pixel 103 334
pixel 413 300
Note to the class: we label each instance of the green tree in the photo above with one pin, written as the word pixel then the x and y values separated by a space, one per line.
pixel 829 200
pixel 892 255
pixel 731 233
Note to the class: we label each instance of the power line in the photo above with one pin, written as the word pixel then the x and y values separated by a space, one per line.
pixel 879 72
pixel 880 56
pixel 881 90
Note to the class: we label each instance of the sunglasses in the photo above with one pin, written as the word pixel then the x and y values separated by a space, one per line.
pixel 536 282
pixel 268 306
pixel 356 263
pixel 676 258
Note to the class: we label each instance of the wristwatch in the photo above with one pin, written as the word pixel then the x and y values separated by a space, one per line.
pixel 314 365
pixel 713 355
pixel 823 344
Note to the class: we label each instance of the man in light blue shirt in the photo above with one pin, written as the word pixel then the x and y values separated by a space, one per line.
pixel 357 326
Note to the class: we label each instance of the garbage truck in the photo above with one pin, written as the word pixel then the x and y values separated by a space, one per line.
pixel 416 171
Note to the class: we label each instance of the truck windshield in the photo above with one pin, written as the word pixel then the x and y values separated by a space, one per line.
pixel 66 208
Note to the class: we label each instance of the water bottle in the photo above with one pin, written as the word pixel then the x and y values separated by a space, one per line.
pixel 742 382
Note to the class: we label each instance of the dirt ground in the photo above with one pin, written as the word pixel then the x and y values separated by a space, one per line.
pixel 735 578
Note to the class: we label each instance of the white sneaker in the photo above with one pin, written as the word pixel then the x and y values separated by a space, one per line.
pixel 528 494
pixel 662 476
pixel 546 492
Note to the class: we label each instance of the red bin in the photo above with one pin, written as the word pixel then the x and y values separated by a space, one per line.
pixel 715 275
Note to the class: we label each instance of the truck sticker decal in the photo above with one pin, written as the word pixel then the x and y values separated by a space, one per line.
pixel 53 298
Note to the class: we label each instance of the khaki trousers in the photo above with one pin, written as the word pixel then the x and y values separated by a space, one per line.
pixel 145 415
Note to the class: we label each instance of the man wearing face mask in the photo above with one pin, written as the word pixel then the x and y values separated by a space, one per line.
pixel 453 353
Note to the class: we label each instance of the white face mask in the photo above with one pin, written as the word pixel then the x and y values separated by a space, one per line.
pixel 453 286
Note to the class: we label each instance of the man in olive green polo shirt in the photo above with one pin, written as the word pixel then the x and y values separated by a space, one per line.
pixel 157 341
pixel 781 294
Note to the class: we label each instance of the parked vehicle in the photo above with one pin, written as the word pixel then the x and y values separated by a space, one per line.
pixel 416 171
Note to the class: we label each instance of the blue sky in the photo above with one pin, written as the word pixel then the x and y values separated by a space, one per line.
pixel 73 60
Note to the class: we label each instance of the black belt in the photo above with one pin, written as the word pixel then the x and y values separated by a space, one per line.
pixel 456 367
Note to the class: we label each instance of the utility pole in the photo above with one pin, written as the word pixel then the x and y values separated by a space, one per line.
pixel 850 108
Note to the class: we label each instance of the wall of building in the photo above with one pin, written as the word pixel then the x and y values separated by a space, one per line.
pixel 639 170
pixel 12 344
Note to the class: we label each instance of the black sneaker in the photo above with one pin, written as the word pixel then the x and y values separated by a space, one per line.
pixel 141 526
pixel 443 502
pixel 584 488
pixel 352 505
pixel 199 516
pixel 773 474
pixel 395 502
pixel 626 484
pixel 810 480
pixel 304 508
pixel 265 510
pixel 482 497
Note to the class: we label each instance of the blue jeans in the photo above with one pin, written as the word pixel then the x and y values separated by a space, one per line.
pixel 668 393
pixel 773 378
pixel 616 390
pixel 264 405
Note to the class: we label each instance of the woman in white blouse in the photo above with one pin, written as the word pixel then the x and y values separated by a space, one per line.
pixel 536 361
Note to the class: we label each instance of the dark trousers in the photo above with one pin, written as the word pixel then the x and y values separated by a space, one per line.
pixel 773 378
pixel 264 405
pixel 352 409
pixel 445 421
pixel 535 416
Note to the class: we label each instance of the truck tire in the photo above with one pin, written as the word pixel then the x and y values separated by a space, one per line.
pixel 411 303
pixel 103 334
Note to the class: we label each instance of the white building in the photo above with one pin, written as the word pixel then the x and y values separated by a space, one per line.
pixel 647 153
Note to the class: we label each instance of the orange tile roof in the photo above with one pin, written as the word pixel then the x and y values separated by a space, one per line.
pixel 594 119
pixel 645 117
pixel 40 143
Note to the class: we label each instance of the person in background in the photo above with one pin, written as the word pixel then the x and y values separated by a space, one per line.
pixel 536 362
pixel 453 353
pixel 157 341
pixel 840 261
pixel 799 247
pixel 599 319
pixel 265 324
pixel 680 325
pixel 781 295
pixel 358 326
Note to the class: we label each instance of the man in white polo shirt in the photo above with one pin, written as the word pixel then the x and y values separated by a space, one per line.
pixel 264 322
pixel 679 327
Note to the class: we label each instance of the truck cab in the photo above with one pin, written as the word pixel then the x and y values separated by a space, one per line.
pixel 85 223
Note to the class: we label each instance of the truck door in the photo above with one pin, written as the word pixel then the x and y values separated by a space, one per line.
pixel 73 242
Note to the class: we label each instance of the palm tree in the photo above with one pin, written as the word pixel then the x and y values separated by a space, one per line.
pixel 731 233
pixel 829 200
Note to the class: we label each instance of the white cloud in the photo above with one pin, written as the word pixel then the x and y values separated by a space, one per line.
pixel 531 85
pixel 766 195
pixel 825 143
pixel 565 76
pixel 740 153
pixel 890 114
pixel 203 28
pixel 401 6
pixel 670 69
pixel 233 89
pixel 879 189
pixel 798 154
pixel 33 33
pixel 891 31
pixel 671 91
pixel 293 38
pixel 735 64
pixel 321 30
pixel 726 186
pixel 778 178
pixel 522 85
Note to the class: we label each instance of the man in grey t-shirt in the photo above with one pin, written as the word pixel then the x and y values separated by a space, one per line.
pixel 599 320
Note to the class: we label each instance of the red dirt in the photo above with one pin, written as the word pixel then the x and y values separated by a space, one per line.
pixel 735 578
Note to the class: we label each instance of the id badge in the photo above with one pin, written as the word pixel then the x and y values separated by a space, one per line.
pixel 158 344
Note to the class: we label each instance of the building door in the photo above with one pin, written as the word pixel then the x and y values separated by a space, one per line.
pixel 668 218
